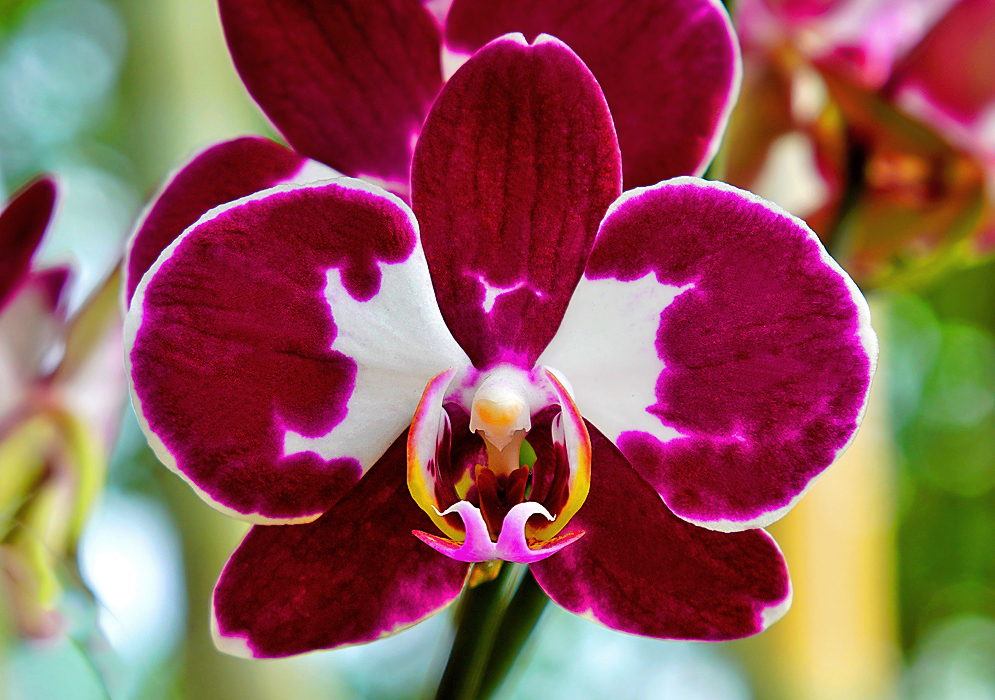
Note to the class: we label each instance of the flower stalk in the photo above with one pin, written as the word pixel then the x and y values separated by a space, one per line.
pixel 479 619
pixel 517 625
pixel 493 628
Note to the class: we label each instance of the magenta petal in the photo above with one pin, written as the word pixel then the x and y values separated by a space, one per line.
pixel 280 345
pixel 514 169
pixel 949 78
pixel 348 82
pixel 221 174
pixel 729 356
pixel 642 570
pixel 354 575
pixel 670 69
pixel 22 224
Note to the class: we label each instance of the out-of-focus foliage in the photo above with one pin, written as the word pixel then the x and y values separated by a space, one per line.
pixel 954 661
pixel 59 66
pixel 573 659
pixel 943 403
pixel 60 63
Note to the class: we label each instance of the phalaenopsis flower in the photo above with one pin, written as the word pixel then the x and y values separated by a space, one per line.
pixel 357 377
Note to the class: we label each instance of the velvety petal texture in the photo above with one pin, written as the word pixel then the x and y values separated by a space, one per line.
pixel 515 167
pixel 22 224
pixel 347 82
pixel 352 576
pixel 670 69
pixel 641 569
pixel 266 342
pixel 221 174
pixel 719 346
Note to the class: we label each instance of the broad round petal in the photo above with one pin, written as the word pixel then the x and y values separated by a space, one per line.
pixel 354 575
pixel 278 347
pixel 515 167
pixel 347 82
pixel 719 346
pixel 221 174
pixel 22 224
pixel 670 69
pixel 641 569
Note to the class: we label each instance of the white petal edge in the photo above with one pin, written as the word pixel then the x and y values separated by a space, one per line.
pixel 731 99
pixel 133 321
pixel 577 327
pixel 310 171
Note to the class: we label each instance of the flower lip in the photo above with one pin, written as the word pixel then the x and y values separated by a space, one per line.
pixel 512 544
pixel 494 510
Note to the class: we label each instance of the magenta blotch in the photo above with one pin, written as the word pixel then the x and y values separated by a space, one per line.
pixel 235 340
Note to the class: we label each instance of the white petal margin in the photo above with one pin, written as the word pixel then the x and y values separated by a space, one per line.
pixel 397 339
pixel 311 171
pixel 731 98
pixel 772 614
pixel 606 345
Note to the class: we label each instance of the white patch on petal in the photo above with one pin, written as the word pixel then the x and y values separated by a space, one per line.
pixel 390 346
pixel 491 292
pixel 233 646
pixel 606 345
pixel 399 342
pixel 452 61
pixel 865 333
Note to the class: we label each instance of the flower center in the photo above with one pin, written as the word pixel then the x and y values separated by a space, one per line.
pixel 492 520
pixel 500 415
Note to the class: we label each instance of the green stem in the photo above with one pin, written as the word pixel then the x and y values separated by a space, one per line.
pixel 517 625
pixel 479 617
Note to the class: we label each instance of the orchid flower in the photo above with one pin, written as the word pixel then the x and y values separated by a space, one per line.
pixel 356 377
pixel 884 110
pixel 61 394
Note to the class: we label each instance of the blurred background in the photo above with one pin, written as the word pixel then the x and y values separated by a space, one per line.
pixel 892 553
